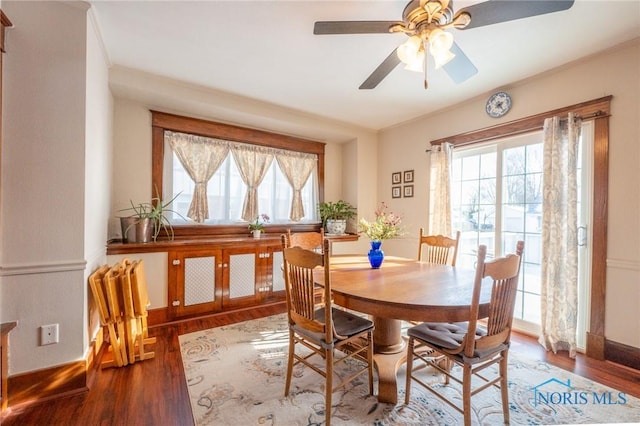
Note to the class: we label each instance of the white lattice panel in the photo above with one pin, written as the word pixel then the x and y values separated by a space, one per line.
pixel 278 277
pixel 199 280
pixel 242 275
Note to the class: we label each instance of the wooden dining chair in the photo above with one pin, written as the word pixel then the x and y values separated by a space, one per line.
pixel 438 248
pixel 307 240
pixel 466 344
pixel 334 335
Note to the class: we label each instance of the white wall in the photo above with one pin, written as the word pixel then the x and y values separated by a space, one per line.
pixel 46 142
pixel 98 166
pixel 617 73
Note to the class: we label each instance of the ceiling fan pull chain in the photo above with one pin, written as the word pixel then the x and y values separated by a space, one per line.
pixel 424 45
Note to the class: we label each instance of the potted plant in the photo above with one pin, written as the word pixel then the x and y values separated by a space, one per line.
pixel 334 215
pixel 257 227
pixel 147 220
pixel 387 225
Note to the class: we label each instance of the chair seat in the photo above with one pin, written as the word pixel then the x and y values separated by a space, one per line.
pixel 345 323
pixel 449 336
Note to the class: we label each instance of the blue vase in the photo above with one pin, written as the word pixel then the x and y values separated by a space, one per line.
pixel 376 256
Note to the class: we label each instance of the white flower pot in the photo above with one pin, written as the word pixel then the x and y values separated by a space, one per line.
pixel 336 226
pixel 256 233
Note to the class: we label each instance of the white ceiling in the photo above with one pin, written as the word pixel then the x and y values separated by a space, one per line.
pixel 266 50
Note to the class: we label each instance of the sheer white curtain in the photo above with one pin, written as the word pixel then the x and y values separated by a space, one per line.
pixel 200 157
pixel 441 189
pixel 297 168
pixel 253 164
pixel 559 292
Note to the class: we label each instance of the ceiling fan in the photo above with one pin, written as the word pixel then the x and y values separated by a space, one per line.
pixel 426 23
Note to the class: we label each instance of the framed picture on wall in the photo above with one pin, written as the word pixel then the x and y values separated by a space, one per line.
pixel 396 178
pixel 395 192
pixel 408 191
pixel 408 176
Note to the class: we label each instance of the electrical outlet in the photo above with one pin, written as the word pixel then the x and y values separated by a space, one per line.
pixel 48 334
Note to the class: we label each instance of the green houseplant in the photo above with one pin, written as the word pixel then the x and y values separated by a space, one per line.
pixel 257 227
pixel 334 215
pixel 149 220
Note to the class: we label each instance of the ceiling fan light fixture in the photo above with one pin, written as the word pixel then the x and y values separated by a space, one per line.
pixel 417 64
pixel 442 58
pixel 408 50
pixel 440 41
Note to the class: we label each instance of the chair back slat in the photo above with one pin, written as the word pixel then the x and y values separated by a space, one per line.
pixel 301 281
pixel 438 249
pixel 502 303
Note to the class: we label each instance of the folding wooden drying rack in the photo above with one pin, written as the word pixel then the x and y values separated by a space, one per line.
pixel 121 295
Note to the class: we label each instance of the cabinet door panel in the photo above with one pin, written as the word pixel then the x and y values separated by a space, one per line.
pixel 199 280
pixel 242 275
pixel 195 282
pixel 277 276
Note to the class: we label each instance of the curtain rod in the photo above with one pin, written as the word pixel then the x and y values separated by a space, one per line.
pixel 598 113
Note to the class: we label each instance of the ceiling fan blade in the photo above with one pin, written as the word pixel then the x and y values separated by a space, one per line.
pixel 460 68
pixel 496 11
pixel 381 72
pixel 353 27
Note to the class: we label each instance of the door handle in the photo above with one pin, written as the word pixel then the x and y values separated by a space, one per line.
pixel 582 236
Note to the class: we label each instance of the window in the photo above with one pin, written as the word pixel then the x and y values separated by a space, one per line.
pixel 225 191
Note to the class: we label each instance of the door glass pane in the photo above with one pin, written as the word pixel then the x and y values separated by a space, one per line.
pixel 474 201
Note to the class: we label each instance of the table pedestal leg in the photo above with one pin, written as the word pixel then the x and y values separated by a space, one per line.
pixel 389 348
pixel 387 366
pixel 387 337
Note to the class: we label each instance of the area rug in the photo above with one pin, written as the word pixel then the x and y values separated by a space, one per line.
pixel 236 375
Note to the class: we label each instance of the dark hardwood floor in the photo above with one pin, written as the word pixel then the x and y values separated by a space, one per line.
pixel 154 392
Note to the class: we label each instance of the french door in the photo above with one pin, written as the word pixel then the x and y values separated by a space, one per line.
pixel 496 192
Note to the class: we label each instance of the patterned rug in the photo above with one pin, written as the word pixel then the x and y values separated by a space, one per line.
pixel 236 374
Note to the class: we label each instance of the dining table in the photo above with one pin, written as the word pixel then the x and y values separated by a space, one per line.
pixel 400 290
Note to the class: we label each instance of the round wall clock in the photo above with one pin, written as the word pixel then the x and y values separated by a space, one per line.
pixel 498 104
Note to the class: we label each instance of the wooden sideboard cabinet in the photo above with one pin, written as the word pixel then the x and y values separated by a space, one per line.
pixel 220 278
pixel 209 275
